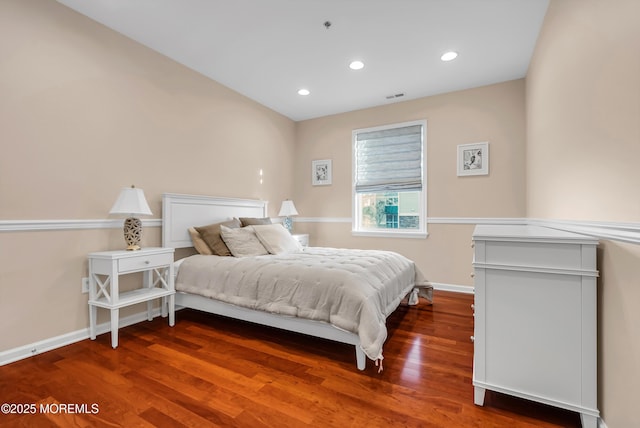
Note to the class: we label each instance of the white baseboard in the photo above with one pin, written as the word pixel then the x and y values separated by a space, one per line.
pixel 45 345
pixel 465 289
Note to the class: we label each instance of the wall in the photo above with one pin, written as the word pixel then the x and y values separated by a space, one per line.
pixel 84 112
pixel 492 113
pixel 583 142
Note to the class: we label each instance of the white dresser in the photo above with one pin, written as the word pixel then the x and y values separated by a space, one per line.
pixel 535 317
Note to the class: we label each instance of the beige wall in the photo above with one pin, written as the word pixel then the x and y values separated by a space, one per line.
pixel 493 113
pixel 583 142
pixel 85 112
pixel 583 102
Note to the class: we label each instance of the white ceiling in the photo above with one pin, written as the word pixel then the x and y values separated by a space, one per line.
pixel 268 49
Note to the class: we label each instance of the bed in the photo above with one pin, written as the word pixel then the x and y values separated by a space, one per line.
pixel 280 287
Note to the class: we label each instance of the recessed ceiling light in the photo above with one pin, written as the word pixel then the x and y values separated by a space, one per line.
pixel 356 65
pixel 448 56
pixel 303 92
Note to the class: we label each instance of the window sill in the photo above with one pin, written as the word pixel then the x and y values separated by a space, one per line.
pixel 389 234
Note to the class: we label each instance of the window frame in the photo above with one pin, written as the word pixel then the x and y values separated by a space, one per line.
pixel 356 209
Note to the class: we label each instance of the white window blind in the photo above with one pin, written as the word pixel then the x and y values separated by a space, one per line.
pixel 389 159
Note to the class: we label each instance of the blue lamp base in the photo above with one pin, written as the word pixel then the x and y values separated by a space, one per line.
pixel 287 223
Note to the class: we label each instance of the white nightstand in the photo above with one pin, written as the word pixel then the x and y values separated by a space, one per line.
pixel 104 269
pixel 303 238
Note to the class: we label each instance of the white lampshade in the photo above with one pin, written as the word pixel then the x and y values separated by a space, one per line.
pixel 131 202
pixel 287 209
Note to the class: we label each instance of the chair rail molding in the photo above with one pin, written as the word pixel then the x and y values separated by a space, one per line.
pixel 39 225
pixel 616 231
pixel 613 231
pixel 430 220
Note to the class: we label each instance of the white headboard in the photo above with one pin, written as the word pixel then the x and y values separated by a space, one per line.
pixel 180 212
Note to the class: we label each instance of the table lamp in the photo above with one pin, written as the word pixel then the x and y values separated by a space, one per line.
pixel 287 209
pixel 131 202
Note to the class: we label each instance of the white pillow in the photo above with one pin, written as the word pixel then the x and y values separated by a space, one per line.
pixel 276 239
pixel 242 242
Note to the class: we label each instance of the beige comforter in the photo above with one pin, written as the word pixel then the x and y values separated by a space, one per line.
pixel 354 290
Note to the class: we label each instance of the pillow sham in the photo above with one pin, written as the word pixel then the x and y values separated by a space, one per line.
pixel 211 235
pixel 250 221
pixel 242 242
pixel 276 239
pixel 198 243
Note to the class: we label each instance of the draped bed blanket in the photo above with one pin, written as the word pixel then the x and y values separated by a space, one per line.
pixel 354 290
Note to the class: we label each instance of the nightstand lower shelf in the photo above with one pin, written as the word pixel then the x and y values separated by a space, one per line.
pixel 140 295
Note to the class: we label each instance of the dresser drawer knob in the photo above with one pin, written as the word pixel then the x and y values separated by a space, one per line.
pixel 472 275
pixel 146 262
pixel 473 306
pixel 473 339
pixel 473 245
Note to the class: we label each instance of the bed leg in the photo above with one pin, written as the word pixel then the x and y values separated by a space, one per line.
pixel 361 358
pixel 426 291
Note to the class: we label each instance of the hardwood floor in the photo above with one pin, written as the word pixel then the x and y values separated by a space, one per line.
pixel 212 371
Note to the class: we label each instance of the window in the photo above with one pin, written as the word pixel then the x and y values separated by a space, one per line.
pixel 389 185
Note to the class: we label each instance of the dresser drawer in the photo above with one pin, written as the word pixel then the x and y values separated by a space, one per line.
pixel 550 255
pixel 132 264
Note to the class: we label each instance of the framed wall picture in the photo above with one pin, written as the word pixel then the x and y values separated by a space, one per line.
pixel 321 172
pixel 473 159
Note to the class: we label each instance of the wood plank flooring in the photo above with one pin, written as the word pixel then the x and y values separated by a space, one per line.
pixel 211 371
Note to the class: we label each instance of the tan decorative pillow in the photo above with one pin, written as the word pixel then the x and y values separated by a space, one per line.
pixel 211 235
pixel 250 221
pixel 276 239
pixel 242 242
pixel 199 244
